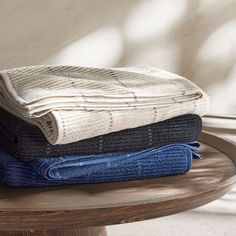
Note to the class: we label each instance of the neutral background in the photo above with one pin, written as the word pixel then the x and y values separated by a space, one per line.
pixel 194 38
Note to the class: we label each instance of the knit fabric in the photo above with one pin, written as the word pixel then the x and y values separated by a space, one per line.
pixel 27 142
pixel 153 162
pixel 73 103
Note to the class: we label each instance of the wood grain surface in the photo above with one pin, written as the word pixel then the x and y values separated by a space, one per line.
pixel 121 202
pixel 95 231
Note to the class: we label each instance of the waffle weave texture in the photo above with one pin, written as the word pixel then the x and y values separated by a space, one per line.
pixel 172 159
pixel 70 104
pixel 27 142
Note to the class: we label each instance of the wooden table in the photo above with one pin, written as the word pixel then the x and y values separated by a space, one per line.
pixel 85 209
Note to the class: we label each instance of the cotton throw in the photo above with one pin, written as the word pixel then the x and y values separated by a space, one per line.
pixel 74 103
pixel 27 142
pixel 149 163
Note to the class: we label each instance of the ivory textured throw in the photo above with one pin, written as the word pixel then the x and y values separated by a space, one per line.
pixel 153 162
pixel 73 103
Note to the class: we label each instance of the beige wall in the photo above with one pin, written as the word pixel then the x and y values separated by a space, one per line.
pixel 193 38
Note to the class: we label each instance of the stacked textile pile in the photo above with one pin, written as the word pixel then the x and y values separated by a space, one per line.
pixel 65 125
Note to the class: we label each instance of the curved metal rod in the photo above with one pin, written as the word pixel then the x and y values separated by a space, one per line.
pixel 230 117
pixel 221 126
pixel 224 145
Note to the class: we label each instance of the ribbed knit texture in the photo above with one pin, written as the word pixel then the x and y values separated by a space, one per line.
pixel 153 162
pixel 73 103
pixel 27 142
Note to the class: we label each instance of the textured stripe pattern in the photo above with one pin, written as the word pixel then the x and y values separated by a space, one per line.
pixel 26 142
pixel 149 163
pixel 73 103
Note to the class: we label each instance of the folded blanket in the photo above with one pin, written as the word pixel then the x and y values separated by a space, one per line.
pixel 73 103
pixel 27 142
pixel 153 162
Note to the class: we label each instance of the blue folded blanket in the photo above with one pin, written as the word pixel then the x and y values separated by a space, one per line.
pixel 152 162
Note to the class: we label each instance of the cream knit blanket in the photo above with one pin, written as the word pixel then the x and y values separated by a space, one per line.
pixel 74 103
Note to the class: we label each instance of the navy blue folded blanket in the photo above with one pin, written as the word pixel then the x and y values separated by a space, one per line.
pixel 27 142
pixel 171 159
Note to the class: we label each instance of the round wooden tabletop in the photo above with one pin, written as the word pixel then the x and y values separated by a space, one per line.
pixel 122 202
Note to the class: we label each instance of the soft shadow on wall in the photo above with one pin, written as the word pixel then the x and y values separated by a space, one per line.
pixel 196 39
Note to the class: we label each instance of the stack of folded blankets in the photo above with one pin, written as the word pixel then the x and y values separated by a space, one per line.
pixel 66 125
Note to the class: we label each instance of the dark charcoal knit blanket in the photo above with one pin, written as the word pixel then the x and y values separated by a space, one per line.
pixel 27 142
